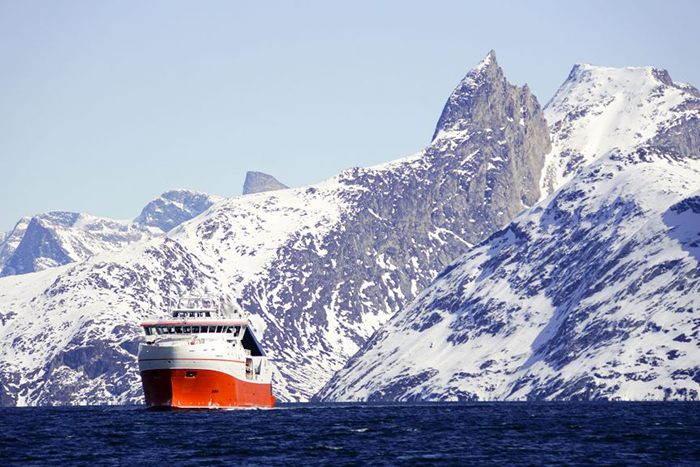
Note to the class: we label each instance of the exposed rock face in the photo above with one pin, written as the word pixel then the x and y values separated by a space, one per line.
pixel 320 268
pixel 258 182
pixel 37 246
pixel 592 293
pixel 174 207
pixel 12 239
pixel 504 124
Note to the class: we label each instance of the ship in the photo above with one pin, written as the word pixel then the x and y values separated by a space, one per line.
pixel 203 355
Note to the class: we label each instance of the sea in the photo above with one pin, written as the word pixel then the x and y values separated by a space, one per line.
pixel 504 434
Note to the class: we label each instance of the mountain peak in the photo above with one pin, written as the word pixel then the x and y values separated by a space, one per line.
pixel 179 193
pixel 599 108
pixel 488 61
pixel 259 182
pixel 471 94
pixel 647 74
pixel 174 207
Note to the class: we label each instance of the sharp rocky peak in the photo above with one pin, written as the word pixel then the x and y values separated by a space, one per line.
pixel 259 182
pixel 483 77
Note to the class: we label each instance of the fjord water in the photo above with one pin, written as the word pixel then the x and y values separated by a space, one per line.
pixel 593 433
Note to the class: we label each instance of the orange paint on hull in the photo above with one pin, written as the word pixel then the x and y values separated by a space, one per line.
pixel 202 388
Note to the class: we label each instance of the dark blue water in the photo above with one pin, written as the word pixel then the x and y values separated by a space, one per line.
pixel 433 434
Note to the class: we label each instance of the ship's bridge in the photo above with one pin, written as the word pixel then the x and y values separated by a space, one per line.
pixel 202 317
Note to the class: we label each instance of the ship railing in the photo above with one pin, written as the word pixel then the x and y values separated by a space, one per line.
pixel 194 301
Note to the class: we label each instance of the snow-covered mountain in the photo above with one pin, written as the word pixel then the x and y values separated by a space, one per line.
pixel 174 207
pixel 600 108
pixel 320 268
pixel 591 293
pixel 57 238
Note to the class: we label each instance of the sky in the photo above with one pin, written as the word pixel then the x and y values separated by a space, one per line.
pixel 105 105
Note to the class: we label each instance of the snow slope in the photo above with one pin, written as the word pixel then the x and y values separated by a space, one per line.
pixel 600 108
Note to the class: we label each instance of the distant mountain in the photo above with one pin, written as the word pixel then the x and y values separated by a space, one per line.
pixel 592 293
pixel 174 207
pixel 58 238
pixel 258 182
pixel 320 268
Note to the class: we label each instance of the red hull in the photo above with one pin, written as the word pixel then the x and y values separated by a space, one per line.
pixel 196 388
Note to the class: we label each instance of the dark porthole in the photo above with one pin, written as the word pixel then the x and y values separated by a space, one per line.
pixel 190 374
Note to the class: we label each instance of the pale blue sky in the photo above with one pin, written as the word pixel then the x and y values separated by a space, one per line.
pixel 104 105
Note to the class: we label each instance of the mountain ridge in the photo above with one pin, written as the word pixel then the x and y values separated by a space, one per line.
pixel 619 97
pixel 320 268
pixel 56 238
pixel 589 294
